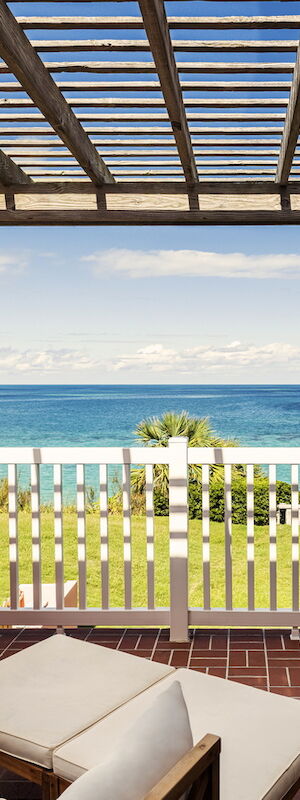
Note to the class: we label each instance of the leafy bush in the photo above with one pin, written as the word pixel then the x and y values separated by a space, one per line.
pixel 23 496
pixel 239 500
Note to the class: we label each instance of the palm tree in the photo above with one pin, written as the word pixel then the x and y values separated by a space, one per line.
pixel 156 432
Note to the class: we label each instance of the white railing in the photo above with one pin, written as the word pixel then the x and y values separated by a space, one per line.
pixel 177 456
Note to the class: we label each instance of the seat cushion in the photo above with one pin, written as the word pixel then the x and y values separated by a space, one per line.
pixel 57 688
pixel 260 734
pixel 144 753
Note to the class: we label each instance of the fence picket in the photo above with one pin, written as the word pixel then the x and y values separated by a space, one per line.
pixel 295 536
pixel 36 535
pixel 150 534
pixel 273 537
pixel 228 536
pixel 206 536
pixel 81 534
pixel 250 534
pixel 104 552
pixel 127 535
pixel 58 536
pixel 13 535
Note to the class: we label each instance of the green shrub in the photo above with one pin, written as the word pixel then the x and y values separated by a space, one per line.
pixel 239 500
pixel 23 496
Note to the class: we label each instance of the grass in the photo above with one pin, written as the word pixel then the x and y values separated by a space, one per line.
pixel 161 560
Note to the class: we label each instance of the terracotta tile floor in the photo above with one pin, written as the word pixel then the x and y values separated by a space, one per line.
pixel 266 659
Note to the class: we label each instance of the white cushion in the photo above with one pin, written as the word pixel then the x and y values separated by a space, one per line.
pixel 143 755
pixel 260 734
pixel 53 690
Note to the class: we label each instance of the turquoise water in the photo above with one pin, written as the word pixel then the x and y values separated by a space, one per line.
pixel 107 415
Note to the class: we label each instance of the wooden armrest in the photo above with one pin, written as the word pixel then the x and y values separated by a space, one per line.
pixel 197 771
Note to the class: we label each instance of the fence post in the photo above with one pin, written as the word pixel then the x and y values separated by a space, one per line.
pixel 178 531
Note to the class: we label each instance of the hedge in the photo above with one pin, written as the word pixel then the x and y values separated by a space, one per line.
pixel 239 500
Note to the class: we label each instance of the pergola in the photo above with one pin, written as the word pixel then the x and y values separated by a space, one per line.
pixel 163 137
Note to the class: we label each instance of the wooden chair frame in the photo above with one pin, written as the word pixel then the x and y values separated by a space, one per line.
pixel 198 771
pixel 32 772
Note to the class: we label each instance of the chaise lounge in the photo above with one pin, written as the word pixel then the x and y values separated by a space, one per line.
pixel 66 705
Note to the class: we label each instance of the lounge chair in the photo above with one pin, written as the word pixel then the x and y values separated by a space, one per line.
pixel 64 701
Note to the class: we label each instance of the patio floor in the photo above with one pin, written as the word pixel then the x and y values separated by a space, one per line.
pixel 266 659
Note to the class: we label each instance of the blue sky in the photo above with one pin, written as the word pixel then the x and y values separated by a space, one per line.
pixel 66 317
pixel 142 305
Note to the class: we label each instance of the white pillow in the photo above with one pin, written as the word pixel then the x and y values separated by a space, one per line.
pixel 142 756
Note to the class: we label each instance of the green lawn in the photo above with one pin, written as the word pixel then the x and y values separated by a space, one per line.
pixel 161 560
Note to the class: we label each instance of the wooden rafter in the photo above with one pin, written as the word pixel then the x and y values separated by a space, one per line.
pixel 178 45
pixel 10 172
pixel 26 65
pixel 153 187
pixel 147 67
pixel 156 27
pixel 291 128
pixel 144 217
pixel 154 86
pixel 288 21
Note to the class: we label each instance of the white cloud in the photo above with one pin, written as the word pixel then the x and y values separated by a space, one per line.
pixel 233 356
pixel 192 263
pixel 43 361
pixel 13 263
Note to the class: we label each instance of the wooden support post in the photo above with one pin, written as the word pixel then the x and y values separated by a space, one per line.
pixel 178 522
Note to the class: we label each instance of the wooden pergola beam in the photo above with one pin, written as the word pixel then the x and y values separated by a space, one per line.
pixel 155 102
pixel 149 130
pixel 144 217
pixel 186 67
pixel 160 116
pixel 28 68
pixel 10 172
pixel 121 144
pixel 179 45
pixel 289 21
pixel 31 153
pixel 154 86
pixel 156 27
pixel 291 129
pixel 152 187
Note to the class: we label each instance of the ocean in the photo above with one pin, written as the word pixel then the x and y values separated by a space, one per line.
pixel 107 415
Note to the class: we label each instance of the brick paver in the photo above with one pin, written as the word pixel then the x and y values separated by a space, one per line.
pixel 266 659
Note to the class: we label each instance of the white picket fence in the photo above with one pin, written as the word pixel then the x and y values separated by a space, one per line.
pixel 178 456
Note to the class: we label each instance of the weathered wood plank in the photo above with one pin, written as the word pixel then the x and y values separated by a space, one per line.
pixel 291 128
pixel 157 102
pixel 247 217
pixel 156 27
pixel 118 157
pixel 51 161
pixel 142 131
pixel 62 23
pixel 151 187
pixel 26 65
pixel 87 116
pixel 48 172
pixel 147 67
pixel 10 172
pixel 179 45
pixel 120 144
pixel 154 86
